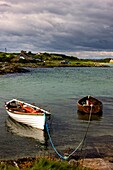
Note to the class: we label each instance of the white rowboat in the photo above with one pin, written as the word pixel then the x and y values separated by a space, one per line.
pixel 27 113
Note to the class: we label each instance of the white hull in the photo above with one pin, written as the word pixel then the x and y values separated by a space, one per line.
pixel 37 121
pixel 31 119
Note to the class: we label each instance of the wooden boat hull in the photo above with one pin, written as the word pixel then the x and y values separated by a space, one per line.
pixel 36 120
pixel 94 107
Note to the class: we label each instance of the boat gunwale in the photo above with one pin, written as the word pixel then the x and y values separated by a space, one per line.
pixel 25 113
pixel 86 97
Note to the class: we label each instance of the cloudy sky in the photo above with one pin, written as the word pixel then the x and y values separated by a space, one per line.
pixel 56 25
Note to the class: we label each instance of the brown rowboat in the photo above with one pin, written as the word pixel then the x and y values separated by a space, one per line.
pixel 90 104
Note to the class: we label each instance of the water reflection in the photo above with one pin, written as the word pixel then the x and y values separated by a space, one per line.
pixel 26 131
pixel 85 116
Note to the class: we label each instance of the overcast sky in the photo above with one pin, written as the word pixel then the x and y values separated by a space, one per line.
pixel 56 25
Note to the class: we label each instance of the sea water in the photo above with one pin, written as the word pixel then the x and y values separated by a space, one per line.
pixel 56 90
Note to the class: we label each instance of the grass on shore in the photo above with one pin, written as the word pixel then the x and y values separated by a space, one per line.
pixel 41 164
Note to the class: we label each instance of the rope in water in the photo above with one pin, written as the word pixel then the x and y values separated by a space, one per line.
pixel 89 121
pixel 81 143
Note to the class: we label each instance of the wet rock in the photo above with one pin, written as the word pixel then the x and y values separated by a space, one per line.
pixel 73 162
pixel 96 164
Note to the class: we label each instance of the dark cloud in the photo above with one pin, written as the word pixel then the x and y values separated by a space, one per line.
pixel 50 25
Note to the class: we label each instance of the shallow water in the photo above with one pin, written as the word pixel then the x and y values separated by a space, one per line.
pixel 56 90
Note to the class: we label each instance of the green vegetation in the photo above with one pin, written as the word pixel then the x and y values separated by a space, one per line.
pixel 49 58
pixel 28 59
pixel 40 164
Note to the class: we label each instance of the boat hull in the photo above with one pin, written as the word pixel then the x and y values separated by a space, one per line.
pixel 37 121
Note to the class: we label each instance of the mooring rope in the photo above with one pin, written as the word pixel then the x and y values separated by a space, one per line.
pixel 81 143
pixel 89 121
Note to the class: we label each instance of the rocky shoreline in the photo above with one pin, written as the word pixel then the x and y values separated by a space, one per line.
pixel 93 163
pixel 96 158
pixel 5 69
